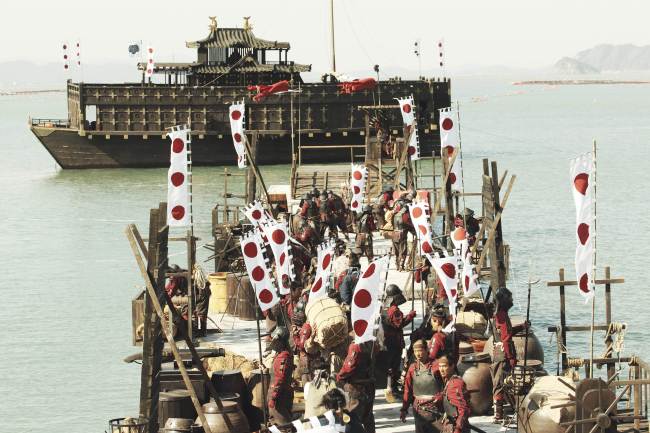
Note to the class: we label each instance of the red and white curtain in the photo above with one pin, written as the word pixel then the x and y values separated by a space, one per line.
pixel 358 187
pixel 450 140
pixel 420 217
pixel 65 56
pixel 366 300
pixel 447 271
pixel 407 108
pixel 148 71
pixel 277 236
pixel 237 111
pixel 178 191
pixel 321 281
pixel 581 170
pixel 258 272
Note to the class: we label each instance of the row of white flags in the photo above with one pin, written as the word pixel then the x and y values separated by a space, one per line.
pixel 581 169
pixel 68 58
pixel 407 108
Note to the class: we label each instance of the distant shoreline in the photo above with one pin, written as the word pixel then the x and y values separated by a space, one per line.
pixel 30 92
pixel 576 82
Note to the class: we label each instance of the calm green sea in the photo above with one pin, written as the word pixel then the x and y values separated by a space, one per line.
pixel 68 274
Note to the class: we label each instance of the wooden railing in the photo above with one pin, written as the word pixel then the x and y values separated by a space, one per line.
pixel 50 123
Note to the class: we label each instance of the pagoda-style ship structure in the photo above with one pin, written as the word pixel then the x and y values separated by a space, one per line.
pixel 124 125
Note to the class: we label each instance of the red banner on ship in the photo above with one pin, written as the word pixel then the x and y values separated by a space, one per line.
pixel 265 90
pixel 357 85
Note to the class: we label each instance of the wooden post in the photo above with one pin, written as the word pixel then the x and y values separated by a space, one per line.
pixel 565 362
pixel 498 238
pixel 637 399
pixel 215 222
pixel 611 368
pixel 152 344
pixel 191 247
pixel 225 194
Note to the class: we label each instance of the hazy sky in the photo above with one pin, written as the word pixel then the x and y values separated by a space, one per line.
pixel 517 33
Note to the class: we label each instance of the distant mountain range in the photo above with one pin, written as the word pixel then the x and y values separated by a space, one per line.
pixel 606 58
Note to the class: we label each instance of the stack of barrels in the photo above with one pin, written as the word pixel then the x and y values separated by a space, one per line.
pixel 232 294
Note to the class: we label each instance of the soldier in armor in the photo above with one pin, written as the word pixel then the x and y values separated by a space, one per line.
pixel 394 322
pixel 334 400
pixel 365 227
pixel 441 342
pixel 308 237
pixel 280 398
pixel 454 398
pixel 357 378
pixel 326 216
pixel 383 204
pixel 340 212
pixel 505 356
pixel 309 211
pixel 422 386
pixel 402 225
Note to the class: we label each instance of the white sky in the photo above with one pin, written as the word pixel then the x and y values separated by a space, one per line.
pixel 518 33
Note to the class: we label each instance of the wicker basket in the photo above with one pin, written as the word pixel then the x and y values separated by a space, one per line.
pixel 331 323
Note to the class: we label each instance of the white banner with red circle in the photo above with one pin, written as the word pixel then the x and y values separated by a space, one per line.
pixel 178 191
pixel 447 271
pixel 322 280
pixel 450 140
pixel 66 57
pixel 366 300
pixel 148 71
pixel 358 176
pixel 581 169
pixel 277 236
pixel 420 217
pixel 469 277
pixel 414 143
pixel 407 110
pixel 237 114
pixel 258 272
pixel 257 215
pixel 461 244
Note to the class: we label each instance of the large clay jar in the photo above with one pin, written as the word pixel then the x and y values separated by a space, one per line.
pixel 547 404
pixel 214 417
pixel 475 371
pixel 535 350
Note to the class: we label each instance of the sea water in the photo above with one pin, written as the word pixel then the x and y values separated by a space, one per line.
pixel 68 275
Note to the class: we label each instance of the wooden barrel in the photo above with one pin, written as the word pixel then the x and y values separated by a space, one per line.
pixel 219 297
pixel 175 404
pixel 232 382
pixel 256 415
pixel 246 301
pixel 232 281
pixel 214 418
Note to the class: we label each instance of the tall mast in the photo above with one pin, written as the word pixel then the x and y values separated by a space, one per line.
pixel 332 33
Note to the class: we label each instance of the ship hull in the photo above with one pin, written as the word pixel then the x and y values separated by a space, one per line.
pixel 73 150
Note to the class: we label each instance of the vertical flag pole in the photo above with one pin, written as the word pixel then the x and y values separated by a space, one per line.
pixel 593 271
pixel 462 173
pixel 190 243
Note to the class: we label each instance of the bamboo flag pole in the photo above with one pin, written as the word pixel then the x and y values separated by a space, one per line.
pixel 593 271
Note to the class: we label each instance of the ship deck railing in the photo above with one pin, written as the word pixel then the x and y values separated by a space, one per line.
pixel 50 123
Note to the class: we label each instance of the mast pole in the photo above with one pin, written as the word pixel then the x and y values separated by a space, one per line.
pixel 593 271
pixel 332 34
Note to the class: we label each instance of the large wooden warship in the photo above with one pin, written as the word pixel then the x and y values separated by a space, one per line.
pixel 125 125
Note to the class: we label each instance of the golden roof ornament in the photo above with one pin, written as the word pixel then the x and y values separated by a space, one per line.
pixel 247 25
pixel 213 23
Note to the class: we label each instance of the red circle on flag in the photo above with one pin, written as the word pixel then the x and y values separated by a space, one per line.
pixel 417 212
pixel 65 56
pixel 178 145
pixel 278 236
pixel 423 229
pixel 356 189
pixel 326 261
pixel 357 175
pixel 411 150
pixel 178 212
pixel 236 115
pixel 354 205
pixel 460 234
pixel 360 327
pixel 151 61
pixel 369 271
pixel 449 270
pixel 583 233
pixel 452 178
pixel 581 183
pixel 362 298
pixel 283 257
pixel 447 124
pixel 177 178
pixel 584 283
pixel 453 293
pixel 426 247
pixel 258 273
pixel 406 108
pixel 450 150
pixel 266 296
pixel 151 50
pixel 65 66
pixel 237 137
pixel 466 282
pixel 250 249
pixel 256 214
pixel 65 47
pixel 149 71
pixel 317 285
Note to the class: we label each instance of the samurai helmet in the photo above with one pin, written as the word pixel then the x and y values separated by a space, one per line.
pixel 439 311
pixel 469 212
pixel 394 295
